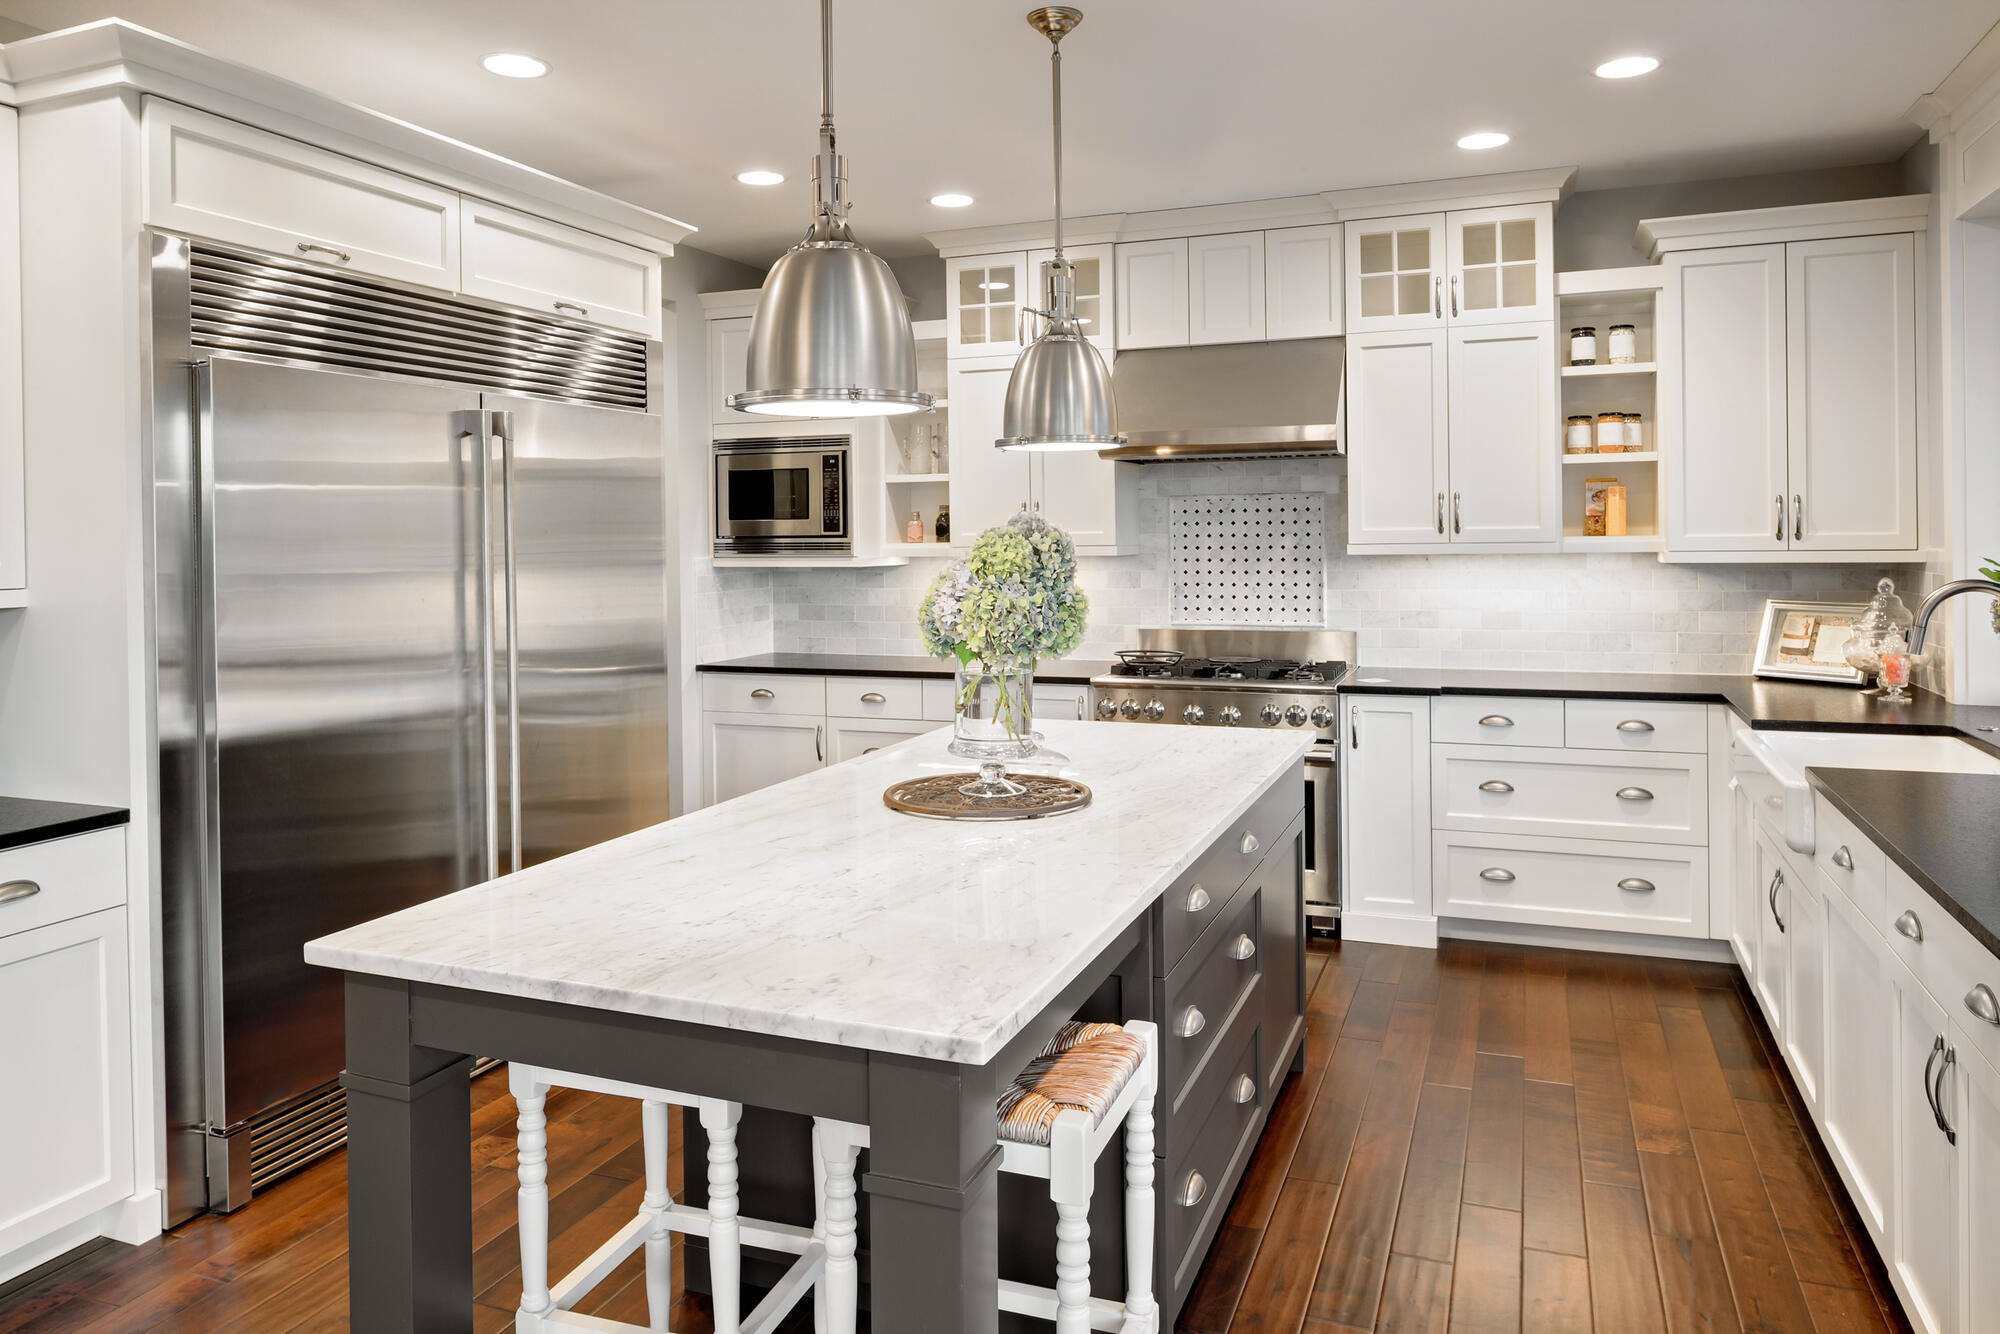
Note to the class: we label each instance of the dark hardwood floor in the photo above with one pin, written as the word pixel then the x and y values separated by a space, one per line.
pixel 1484 1138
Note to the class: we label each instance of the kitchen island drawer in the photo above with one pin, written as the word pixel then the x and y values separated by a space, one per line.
pixel 1532 790
pixel 1198 998
pixel 875 696
pixel 1184 1112
pixel 762 692
pixel 1197 1184
pixel 61 878
pixel 1496 720
pixel 1636 725
pixel 1651 888
pixel 1205 890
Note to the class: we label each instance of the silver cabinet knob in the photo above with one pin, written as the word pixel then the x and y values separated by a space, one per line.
pixel 1229 715
pixel 1635 885
pixel 1191 1022
pixel 1496 785
pixel 1249 843
pixel 1635 725
pixel 1193 713
pixel 1243 1090
pixel 1106 707
pixel 1984 1004
pixel 1499 875
pixel 1296 715
pixel 1129 708
pixel 1843 858
pixel 761 693
pixel 1322 716
pixel 1193 1190
pixel 16 890
pixel 1910 926
pixel 1634 794
pixel 1270 713
pixel 1242 948
pixel 1496 720
pixel 874 697
pixel 1197 899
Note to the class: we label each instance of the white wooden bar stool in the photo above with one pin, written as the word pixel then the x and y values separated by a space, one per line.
pixel 546 1309
pixel 1055 1120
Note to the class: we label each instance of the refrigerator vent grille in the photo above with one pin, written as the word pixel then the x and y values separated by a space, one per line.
pixel 304 314
pixel 286 1139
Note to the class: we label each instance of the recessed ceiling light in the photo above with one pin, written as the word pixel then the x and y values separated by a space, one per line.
pixel 515 65
pixel 1483 139
pixel 951 200
pixel 761 177
pixel 1627 67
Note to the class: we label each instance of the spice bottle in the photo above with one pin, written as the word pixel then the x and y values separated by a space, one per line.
pixel 1583 346
pixel 944 523
pixel 914 530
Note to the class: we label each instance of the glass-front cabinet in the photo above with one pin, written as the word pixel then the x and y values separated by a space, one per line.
pixel 1468 266
pixel 1395 273
pixel 984 295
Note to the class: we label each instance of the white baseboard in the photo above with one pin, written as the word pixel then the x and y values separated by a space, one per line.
pixel 134 1219
pixel 1419 932
pixel 1576 938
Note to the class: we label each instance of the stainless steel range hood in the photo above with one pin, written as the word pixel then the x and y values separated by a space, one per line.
pixel 1232 400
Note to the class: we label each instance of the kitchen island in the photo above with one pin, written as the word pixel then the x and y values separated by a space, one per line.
pixel 805 949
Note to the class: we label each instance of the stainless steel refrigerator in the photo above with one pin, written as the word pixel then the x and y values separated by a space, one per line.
pixel 411 627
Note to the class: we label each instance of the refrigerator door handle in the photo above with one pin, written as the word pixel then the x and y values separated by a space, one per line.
pixel 503 434
pixel 475 443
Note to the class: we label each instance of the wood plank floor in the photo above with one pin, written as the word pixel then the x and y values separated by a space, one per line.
pixel 1485 1138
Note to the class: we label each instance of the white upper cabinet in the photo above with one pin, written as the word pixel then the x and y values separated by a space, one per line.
pixel 1724 386
pixel 1395 273
pixel 217 178
pixel 1152 284
pixel 728 368
pixel 1302 287
pixel 1087 497
pixel 529 261
pixel 1226 288
pixel 984 297
pixel 1397 461
pixel 1094 289
pixel 1502 418
pixel 1851 350
pixel 13 479
pixel 1502 264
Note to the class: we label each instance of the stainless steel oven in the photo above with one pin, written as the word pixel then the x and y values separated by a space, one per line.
pixel 779 496
pixel 1322 828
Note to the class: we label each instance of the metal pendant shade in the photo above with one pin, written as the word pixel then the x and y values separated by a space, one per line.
pixel 1059 397
pixel 832 335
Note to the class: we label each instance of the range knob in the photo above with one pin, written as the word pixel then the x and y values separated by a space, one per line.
pixel 1229 715
pixel 1193 713
pixel 1322 716
pixel 1155 710
pixel 1296 715
pixel 1107 707
pixel 1129 708
pixel 1270 713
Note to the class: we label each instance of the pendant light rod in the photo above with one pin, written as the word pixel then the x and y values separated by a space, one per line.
pixel 829 172
pixel 1055 79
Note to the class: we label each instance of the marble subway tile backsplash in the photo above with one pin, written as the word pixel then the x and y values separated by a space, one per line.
pixel 1598 612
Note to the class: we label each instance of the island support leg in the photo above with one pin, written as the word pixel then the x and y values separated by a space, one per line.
pixel 933 1197
pixel 409 1171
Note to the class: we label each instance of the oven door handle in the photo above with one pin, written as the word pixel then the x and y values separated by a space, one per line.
pixel 1321 759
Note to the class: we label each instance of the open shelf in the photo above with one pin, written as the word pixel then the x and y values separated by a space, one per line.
pixel 916 478
pixel 1629 542
pixel 1626 368
pixel 1600 460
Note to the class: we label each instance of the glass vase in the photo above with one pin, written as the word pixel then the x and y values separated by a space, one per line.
pixel 993 720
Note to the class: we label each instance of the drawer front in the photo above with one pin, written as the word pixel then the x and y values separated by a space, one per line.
pixel 762 692
pixel 939 699
pixel 1199 998
pixel 1636 725
pixel 1062 702
pixel 215 177
pixel 875 696
pixel 1187 909
pixel 1847 859
pixel 530 261
pixel 1496 720
pixel 1572 882
pixel 1182 1117
pixel 60 879
pixel 1947 960
pixel 1196 1185
pixel 1652 799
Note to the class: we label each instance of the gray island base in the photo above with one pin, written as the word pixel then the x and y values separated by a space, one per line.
pixel 805 951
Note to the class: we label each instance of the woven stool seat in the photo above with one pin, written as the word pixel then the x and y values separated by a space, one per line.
pixel 1084 1068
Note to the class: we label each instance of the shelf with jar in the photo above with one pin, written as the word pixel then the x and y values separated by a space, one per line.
pixel 1608 320
pixel 916 467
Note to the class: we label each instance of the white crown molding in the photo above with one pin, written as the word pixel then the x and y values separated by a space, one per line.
pixel 1097 229
pixel 112 56
pixel 1550 185
pixel 730 305
pixel 1972 83
pixel 1797 222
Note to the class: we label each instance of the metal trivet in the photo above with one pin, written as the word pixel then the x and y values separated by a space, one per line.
pixel 937 797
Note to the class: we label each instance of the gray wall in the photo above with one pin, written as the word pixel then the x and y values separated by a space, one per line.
pixel 922 278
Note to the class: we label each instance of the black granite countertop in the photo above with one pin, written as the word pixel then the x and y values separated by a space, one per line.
pixel 1943 829
pixel 24 821
pixel 1069 672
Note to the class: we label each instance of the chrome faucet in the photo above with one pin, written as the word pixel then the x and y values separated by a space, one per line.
pixel 1921 630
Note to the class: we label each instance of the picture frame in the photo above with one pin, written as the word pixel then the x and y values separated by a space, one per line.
pixel 1801 640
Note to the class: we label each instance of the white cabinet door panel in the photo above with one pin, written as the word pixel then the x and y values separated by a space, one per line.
pixel 1385 812
pixel 854 737
pixel 1805 984
pixel 1397 438
pixel 988 485
pixel 1857 1102
pixel 1226 288
pixel 744 752
pixel 545 266
pixel 1152 284
pixel 1979 1179
pixel 1092 499
pixel 1926 1250
pixel 1768 884
pixel 1851 342
pixel 1502 429
pixel 1395 271
pixel 1302 285
pixel 1724 388
pixel 984 295
pixel 1502 264
pixel 728 368
pixel 1746 904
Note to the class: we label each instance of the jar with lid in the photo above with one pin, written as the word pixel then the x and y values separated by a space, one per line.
pixel 1583 346
pixel 1624 345
pixel 1885 622
pixel 1611 433
pixel 1579 436
pixel 1635 440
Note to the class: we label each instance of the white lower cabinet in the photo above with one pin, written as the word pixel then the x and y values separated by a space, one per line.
pixel 1857 1103
pixel 66 1121
pixel 1926 1243
pixel 1745 907
pixel 851 738
pixel 1767 883
pixel 1979 1179
pixel 1805 983
pixel 1385 803
pixel 1596 884
pixel 741 752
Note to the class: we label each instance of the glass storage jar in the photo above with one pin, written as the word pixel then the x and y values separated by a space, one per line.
pixel 1579 436
pixel 1624 345
pixel 1583 346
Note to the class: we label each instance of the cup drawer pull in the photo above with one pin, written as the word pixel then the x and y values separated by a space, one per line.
pixel 1911 926
pixel 1499 875
pixel 1249 844
pixel 1197 899
pixel 1843 858
pixel 874 697
pixel 1191 1022
pixel 1635 725
pixel 1496 785
pixel 16 890
pixel 1496 720
pixel 1984 1004
pixel 1242 948
pixel 1243 1090
pixel 1634 794
pixel 761 693
pixel 1193 1191
pixel 1637 885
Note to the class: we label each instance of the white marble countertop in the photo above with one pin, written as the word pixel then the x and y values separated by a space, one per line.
pixel 811 910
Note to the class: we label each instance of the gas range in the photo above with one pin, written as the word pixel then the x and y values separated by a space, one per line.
pixel 1229 678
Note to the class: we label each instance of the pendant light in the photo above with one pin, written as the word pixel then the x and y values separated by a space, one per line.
pixel 832 333
pixel 1060 395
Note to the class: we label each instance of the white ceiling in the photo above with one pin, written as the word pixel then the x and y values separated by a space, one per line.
pixel 1168 102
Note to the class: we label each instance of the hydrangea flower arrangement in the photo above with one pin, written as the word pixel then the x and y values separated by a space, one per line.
pixel 1013 599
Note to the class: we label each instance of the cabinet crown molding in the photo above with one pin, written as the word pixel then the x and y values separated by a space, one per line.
pixel 1548 185
pixel 1795 222
pixel 1972 85
pixel 113 55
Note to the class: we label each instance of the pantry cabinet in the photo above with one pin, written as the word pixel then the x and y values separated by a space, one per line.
pixel 1385 810
pixel 1466 266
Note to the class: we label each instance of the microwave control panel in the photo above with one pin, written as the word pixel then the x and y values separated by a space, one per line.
pixel 832 512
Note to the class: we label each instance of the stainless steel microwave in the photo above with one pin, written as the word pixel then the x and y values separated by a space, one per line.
pixel 780 496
